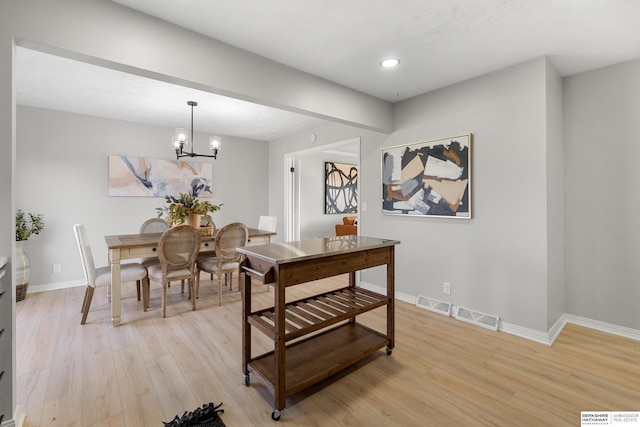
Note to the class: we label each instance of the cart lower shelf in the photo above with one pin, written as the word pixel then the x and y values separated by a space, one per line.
pixel 320 356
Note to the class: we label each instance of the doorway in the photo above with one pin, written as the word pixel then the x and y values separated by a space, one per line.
pixel 305 217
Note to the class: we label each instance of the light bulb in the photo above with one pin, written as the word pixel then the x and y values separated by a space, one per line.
pixel 214 143
pixel 182 135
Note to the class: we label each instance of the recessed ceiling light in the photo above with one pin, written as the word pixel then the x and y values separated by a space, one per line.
pixel 389 62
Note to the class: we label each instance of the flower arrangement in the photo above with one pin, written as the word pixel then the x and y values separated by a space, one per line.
pixel 180 208
pixel 28 224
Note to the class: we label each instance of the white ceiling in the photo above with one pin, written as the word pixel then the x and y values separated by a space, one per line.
pixel 57 83
pixel 439 42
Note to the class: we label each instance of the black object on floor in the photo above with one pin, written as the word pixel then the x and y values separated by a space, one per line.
pixel 207 416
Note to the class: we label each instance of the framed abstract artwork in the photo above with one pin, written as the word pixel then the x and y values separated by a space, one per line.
pixel 428 179
pixel 143 176
pixel 340 188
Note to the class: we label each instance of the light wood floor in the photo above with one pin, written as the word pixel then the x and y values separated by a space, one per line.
pixel 442 372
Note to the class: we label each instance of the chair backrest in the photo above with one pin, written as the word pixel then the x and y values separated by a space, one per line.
pixel 154 225
pixel 228 239
pixel 178 248
pixel 267 223
pixel 88 265
pixel 206 222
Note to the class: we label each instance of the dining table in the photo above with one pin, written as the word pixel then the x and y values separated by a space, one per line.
pixel 135 246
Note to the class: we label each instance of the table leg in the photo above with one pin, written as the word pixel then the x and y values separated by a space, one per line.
pixel 246 327
pixel 391 293
pixel 114 259
pixel 352 284
pixel 279 351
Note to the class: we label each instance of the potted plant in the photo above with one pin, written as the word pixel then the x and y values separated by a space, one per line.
pixel 26 225
pixel 186 209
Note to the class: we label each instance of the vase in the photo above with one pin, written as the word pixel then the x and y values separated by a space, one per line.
pixel 23 270
pixel 194 220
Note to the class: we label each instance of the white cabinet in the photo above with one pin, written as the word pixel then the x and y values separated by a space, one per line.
pixel 6 351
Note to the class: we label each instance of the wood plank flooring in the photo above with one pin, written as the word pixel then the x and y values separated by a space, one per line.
pixel 442 372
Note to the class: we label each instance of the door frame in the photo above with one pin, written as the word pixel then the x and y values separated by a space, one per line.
pixel 293 192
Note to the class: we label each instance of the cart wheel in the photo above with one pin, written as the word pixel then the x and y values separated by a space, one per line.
pixel 275 415
pixel 389 350
pixel 245 380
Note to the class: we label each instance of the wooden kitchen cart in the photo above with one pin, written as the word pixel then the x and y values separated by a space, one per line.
pixel 318 336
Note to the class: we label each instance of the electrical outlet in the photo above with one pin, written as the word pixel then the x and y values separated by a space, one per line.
pixel 56 268
pixel 446 288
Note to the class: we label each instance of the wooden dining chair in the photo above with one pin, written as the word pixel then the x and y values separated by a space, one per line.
pixel 154 225
pixel 267 223
pixel 227 259
pixel 101 276
pixel 177 250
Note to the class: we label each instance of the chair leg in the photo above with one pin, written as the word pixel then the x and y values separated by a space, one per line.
pixel 198 284
pixel 164 299
pixel 146 288
pixel 231 281
pixel 88 296
pixel 219 289
pixel 138 289
pixel 192 291
pixel 84 299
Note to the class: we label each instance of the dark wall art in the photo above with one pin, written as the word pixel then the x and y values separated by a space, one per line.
pixel 341 188
pixel 429 179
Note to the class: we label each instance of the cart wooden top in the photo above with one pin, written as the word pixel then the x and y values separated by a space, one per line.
pixel 282 253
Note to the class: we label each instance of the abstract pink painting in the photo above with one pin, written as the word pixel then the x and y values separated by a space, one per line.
pixel 146 177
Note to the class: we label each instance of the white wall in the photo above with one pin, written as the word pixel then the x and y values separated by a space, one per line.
pixel 559 235
pixel 503 260
pixel 109 34
pixel 62 165
pixel 602 111
pixel 7 229
pixel 326 135
pixel 497 261
pixel 314 223
pixel 556 303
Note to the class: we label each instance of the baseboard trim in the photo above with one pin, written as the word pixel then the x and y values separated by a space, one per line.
pixel 17 420
pixel 546 338
pixel 527 333
pixel 54 286
pixel 610 328
pixel 379 289
pixel 549 337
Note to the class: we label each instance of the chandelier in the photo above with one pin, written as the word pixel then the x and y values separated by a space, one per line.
pixel 181 139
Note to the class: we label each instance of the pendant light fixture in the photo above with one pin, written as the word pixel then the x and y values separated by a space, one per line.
pixel 181 139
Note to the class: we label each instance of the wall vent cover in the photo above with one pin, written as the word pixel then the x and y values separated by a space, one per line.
pixel 475 317
pixel 434 305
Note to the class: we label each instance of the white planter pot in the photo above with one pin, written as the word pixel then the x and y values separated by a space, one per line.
pixel 23 270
